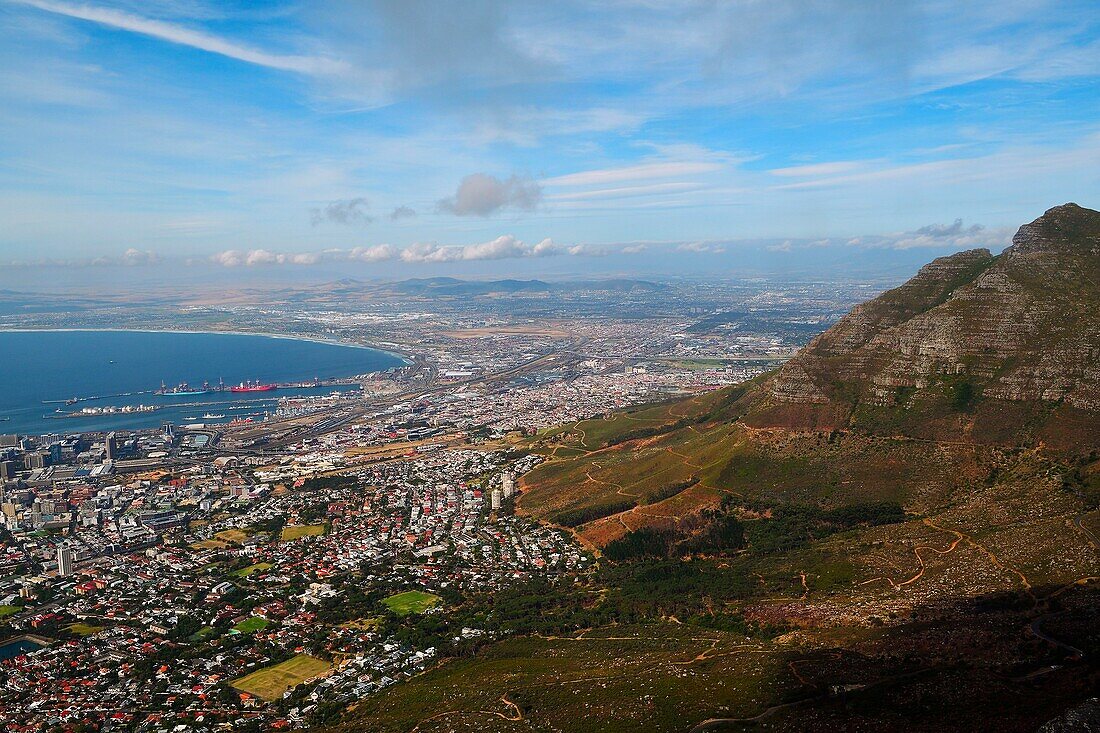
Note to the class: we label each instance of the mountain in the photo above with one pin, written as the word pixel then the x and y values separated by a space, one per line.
pixel 897 530
pixel 999 352
pixel 974 347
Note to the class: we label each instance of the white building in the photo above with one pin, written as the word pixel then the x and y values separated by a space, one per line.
pixel 64 560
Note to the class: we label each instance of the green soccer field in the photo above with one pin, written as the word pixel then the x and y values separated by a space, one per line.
pixel 412 601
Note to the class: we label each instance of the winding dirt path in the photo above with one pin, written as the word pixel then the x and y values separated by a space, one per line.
pixel 517 716
pixel 959 537
pixel 920 560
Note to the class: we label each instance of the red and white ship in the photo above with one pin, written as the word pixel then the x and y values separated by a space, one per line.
pixel 253 387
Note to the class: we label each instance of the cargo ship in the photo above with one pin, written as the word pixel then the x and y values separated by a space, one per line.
pixel 253 387
pixel 183 389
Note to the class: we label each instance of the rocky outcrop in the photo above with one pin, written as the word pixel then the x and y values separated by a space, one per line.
pixel 1023 326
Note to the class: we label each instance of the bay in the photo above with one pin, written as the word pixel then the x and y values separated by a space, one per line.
pixel 39 368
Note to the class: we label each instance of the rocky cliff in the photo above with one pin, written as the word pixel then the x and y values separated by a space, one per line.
pixel 974 345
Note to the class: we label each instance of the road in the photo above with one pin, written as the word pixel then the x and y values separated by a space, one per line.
pixel 1037 629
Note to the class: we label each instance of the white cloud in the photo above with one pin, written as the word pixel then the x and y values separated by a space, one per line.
pixel 503 247
pixel 134 256
pixel 377 253
pixel 702 248
pixel 261 257
pixel 228 258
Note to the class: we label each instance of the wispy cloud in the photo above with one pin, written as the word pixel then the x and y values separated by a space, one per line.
pixel 184 36
pixel 645 171
pixel 628 191
pixel 819 169
pixel 132 257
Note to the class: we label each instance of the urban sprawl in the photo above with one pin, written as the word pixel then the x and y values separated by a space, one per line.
pixel 253 576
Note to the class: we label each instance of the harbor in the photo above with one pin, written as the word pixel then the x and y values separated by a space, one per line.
pixel 129 380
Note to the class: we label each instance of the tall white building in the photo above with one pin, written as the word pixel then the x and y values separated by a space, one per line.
pixel 508 484
pixel 495 497
pixel 64 560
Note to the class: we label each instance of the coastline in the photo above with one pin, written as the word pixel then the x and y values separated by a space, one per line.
pixel 312 339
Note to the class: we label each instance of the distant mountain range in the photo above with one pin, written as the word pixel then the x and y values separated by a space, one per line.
pixel 446 286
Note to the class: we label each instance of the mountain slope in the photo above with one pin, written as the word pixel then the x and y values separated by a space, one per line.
pixel 974 347
pixel 912 397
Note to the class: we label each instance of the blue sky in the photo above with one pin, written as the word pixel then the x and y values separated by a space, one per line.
pixel 413 136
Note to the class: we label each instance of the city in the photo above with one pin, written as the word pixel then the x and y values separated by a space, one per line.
pixel 248 569
pixel 504 366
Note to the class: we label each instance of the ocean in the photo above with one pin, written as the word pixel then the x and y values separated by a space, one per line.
pixel 40 370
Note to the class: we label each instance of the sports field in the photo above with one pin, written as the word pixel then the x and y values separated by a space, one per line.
pixel 412 601
pixel 254 623
pixel 270 683
pixel 301 530
pixel 245 572
pixel 84 629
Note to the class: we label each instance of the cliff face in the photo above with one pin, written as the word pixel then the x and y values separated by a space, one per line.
pixel 969 329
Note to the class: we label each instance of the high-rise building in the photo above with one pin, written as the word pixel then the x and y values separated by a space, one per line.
pixel 7 470
pixel 495 498
pixel 35 459
pixel 110 447
pixel 169 431
pixel 64 560
pixel 508 484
